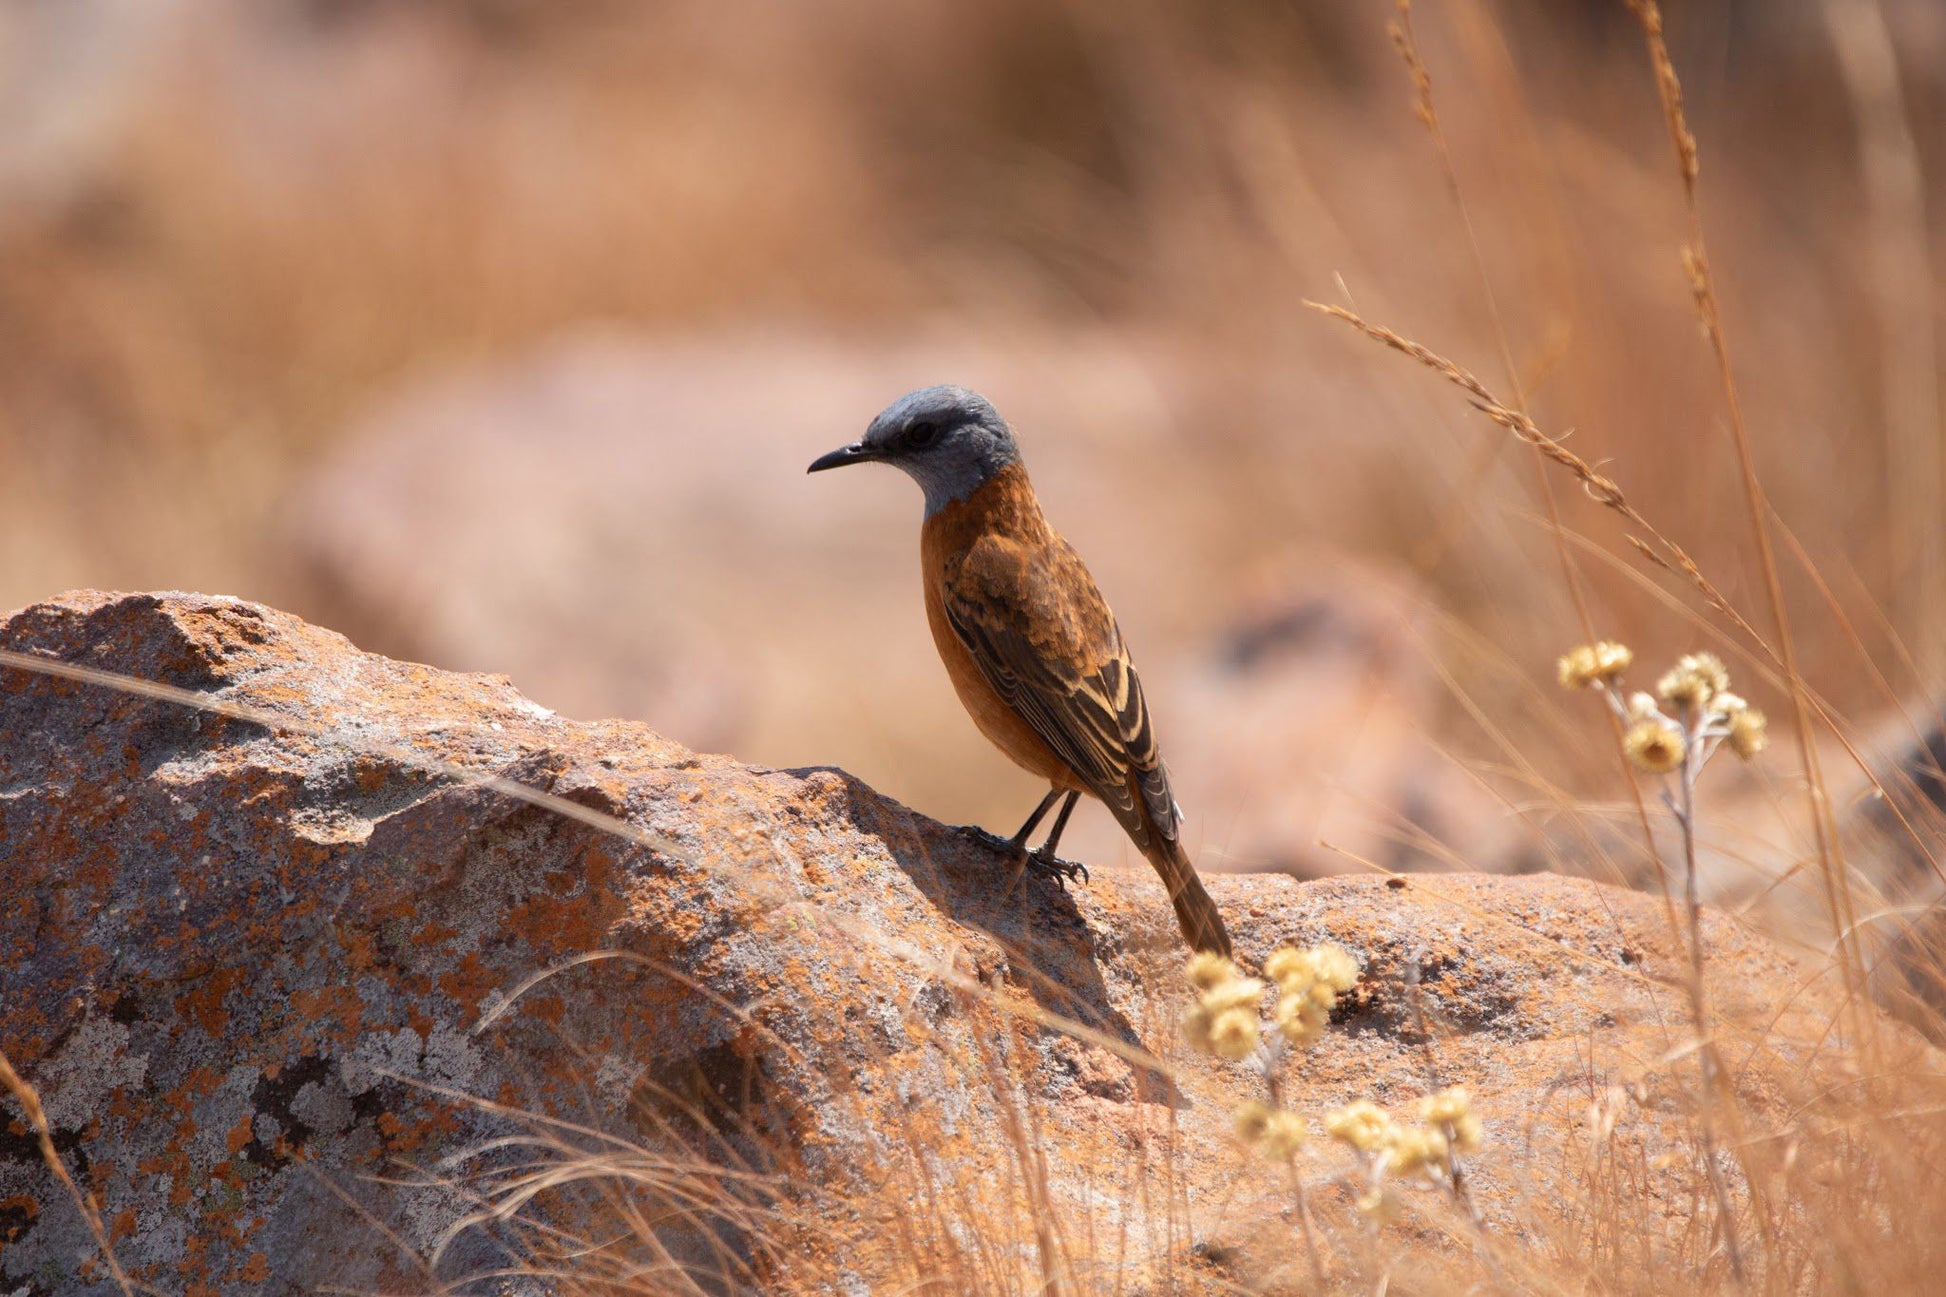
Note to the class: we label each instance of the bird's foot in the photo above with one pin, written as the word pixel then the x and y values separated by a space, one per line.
pixel 1039 861
pixel 1052 866
pixel 991 841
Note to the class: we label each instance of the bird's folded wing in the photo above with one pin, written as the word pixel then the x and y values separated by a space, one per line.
pixel 1045 640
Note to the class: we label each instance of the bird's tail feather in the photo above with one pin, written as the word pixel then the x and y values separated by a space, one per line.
pixel 1202 925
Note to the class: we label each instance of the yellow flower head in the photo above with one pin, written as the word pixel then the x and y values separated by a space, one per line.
pixel 1284 1135
pixel 1592 664
pixel 1237 993
pixel 1695 679
pixel 1727 705
pixel 1361 1124
pixel 1209 970
pixel 1335 966
pixel 1413 1148
pixel 1747 737
pixel 1612 659
pixel 1641 706
pixel 1576 667
pixel 1710 667
pixel 1468 1134
pixel 1251 1120
pixel 1285 964
pixel 1449 1105
pixel 1233 1033
pixel 1326 966
pixel 1301 1018
pixel 1655 746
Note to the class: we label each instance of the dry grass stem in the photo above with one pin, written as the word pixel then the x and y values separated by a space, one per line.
pixel 1832 868
pixel 29 1100
pixel 1603 490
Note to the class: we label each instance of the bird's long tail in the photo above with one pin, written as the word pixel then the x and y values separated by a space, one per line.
pixel 1202 925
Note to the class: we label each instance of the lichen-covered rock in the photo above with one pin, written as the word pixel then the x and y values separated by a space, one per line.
pixel 276 984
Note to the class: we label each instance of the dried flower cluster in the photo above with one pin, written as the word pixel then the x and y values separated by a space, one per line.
pixel 1394 1150
pixel 1706 715
pixel 1226 1023
pixel 1309 983
pixel 1225 1020
pixel 1277 1132
pixel 1594 664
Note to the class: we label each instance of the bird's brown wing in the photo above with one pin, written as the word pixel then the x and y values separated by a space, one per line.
pixel 1043 637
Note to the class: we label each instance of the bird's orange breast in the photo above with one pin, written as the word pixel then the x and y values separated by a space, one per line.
pixel 1005 504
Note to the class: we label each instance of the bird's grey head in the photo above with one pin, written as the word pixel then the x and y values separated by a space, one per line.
pixel 948 439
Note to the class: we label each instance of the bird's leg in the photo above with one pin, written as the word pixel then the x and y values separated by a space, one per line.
pixel 1016 846
pixel 1043 858
pixel 1018 842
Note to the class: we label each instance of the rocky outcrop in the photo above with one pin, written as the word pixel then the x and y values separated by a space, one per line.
pixel 311 1006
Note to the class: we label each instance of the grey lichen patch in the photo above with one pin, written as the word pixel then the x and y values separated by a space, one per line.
pixel 444 1056
pixel 89 1067
pixel 616 1078
pixel 221 1112
pixel 324 1108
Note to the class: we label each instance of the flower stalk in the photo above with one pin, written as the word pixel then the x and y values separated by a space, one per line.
pixel 1673 733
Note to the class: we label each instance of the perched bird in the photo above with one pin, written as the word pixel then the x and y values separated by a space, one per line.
pixel 1034 654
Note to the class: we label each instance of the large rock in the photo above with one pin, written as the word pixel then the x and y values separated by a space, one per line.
pixel 275 985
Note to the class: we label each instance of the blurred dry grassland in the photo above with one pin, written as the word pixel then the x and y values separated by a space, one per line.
pixel 498 334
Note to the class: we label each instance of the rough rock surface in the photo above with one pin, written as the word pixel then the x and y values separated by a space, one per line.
pixel 272 983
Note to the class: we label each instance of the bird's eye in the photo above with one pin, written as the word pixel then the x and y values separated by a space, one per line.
pixel 921 434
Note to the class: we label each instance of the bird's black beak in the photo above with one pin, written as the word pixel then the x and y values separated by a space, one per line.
pixel 856 453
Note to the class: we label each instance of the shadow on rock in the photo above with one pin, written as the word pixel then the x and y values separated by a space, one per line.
pixel 1044 945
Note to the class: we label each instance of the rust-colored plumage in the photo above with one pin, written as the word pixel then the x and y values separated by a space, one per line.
pixel 1029 643
pixel 1039 663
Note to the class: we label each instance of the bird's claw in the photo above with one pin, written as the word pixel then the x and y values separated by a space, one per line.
pixel 1061 871
pixel 1038 861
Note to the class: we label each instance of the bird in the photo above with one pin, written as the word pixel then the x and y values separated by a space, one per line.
pixel 1032 650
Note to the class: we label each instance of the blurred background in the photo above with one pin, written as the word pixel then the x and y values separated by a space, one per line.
pixel 497 334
